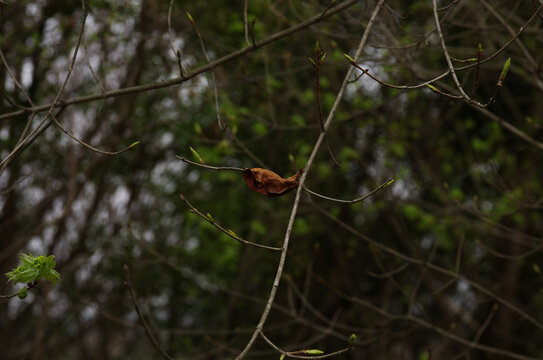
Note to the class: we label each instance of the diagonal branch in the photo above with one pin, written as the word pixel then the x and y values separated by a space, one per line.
pixel 176 81
pixel 294 211
pixel 148 332
pixel 227 232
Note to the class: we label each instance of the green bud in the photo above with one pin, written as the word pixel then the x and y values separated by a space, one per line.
pixel 231 232
pixel 195 154
pixel 352 339
pixel 349 58
pixel 389 182
pixel 433 88
pixel 313 352
pixel 210 217
pixel 22 293
pixel 505 69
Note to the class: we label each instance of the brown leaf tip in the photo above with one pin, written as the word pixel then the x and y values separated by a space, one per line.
pixel 268 183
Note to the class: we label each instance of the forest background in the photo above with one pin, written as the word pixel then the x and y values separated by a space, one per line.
pixel 435 105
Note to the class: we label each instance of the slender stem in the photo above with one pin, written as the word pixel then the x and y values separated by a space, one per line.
pixel 148 332
pixel 294 211
pixel 360 199
pixel 209 166
pixel 176 81
pixel 293 354
pixel 229 233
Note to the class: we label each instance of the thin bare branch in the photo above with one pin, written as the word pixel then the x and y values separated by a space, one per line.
pixel 432 267
pixel 222 125
pixel 290 225
pixel 245 22
pixel 176 52
pixel 84 4
pixel 176 81
pixel 360 199
pixel 293 354
pixel 209 166
pixel 226 231
pixel 148 332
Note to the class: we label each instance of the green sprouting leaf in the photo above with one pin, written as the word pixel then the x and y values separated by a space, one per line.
pixel 479 49
pixel 505 69
pixel 388 183
pixel 231 232
pixel 210 217
pixel 323 56
pixel 313 352
pixel 537 269
pixel 312 61
pixel 195 154
pixel 352 339
pixel 34 269
pixel 432 87
pixel 190 17
pixel 282 357
pixel 349 58
pixel 135 143
pixel 291 158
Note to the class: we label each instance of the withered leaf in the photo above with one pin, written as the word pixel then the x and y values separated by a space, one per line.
pixel 269 183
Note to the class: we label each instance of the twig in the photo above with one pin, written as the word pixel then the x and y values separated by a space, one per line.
pixel 360 199
pixel 293 354
pixel 31 285
pixel 432 267
pixel 446 53
pixel 446 7
pixel 480 331
pixel 8 296
pixel 16 82
pixel 209 166
pixel 525 51
pixel 253 32
pixel 148 331
pixel 413 319
pixel 11 101
pixel 290 225
pixel 227 232
pixel 461 68
pixel 222 125
pixel 389 273
pixel 477 68
pixel 176 53
pixel 84 4
pixel 171 82
pixel 102 90
pixel 510 257
pixel 245 22
pixel 88 146
pixel 317 62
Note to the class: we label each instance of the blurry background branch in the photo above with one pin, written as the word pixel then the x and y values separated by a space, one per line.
pixel 445 263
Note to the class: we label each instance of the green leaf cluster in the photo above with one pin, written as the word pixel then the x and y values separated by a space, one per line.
pixel 34 269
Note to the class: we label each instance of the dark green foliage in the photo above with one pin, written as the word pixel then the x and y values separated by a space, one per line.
pixel 466 195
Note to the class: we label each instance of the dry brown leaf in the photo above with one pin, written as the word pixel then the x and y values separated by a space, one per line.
pixel 269 183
